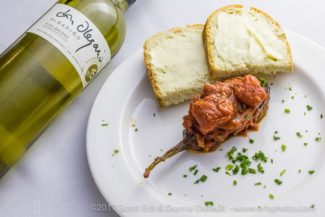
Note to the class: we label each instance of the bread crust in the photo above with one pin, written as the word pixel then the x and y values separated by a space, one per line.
pixel 148 59
pixel 209 41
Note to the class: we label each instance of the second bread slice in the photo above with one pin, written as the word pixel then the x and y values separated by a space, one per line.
pixel 241 41
pixel 176 64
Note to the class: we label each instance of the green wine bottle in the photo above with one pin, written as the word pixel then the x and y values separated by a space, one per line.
pixel 45 69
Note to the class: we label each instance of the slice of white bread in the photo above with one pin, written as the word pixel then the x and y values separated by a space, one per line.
pixel 176 64
pixel 240 41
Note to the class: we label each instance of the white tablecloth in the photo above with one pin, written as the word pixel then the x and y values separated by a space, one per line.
pixel 53 178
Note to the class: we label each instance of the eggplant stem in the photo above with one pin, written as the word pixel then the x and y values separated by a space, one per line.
pixel 187 143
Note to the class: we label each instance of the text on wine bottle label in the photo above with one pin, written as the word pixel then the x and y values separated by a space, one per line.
pixel 77 38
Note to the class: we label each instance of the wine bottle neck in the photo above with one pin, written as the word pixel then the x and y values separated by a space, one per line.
pixel 123 4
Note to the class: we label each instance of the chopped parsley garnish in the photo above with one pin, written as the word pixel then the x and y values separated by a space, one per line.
pixel 276 137
pixel 299 171
pixel 242 158
pixel 271 160
pixel 318 139
pixel 283 147
pixel 217 169
pixel 278 181
pixel 283 172
pixel 251 141
pixel 309 108
pixel 282 101
pixel 292 97
pixel 305 143
pixel 234 182
pixel 260 156
pixel 230 153
pixel 244 170
pixel 229 167
pixel 244 165
pixel 170 194
pixel 208 203
pixel 184 176
pixel 321 116
pixel 260 169
pixel 235 170
pixel 246 117
pixel 263 82
pixel 271 196
pixel 136 130
pixel 299 135
pixel 312 206
pixel 192 168
pixel 228 173
pixel 195 172
pixel 203 178
pixel 258 183
pixel 287 110
pixel 241 163
pixel 311 172
pixel 154 114
pixel 252 171
pixel 104 125
pixel 115 152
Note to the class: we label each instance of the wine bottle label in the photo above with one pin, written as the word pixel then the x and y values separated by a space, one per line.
pixel 77 38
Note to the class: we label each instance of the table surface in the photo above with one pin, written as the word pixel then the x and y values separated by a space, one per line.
pixel 53 178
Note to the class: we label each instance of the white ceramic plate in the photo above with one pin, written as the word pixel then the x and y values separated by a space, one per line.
pixel 126 117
